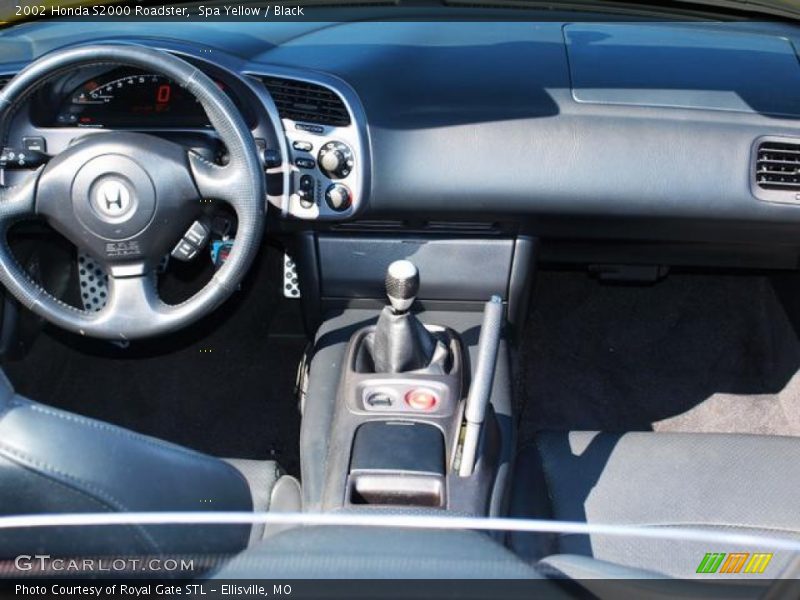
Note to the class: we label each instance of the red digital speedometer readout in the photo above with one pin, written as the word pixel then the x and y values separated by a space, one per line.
pixel 164 93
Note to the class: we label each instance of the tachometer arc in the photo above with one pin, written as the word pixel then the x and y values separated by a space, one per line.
pixel 92 92
pixel 131 99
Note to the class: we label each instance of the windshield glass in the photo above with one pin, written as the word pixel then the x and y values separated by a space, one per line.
pixel 12 11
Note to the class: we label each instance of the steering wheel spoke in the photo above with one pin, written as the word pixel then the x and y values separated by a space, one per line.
pixel 132 302
pixel 215 182
pixel 18 201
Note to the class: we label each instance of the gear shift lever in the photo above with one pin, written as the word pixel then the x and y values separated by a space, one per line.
pixel 402 285
pixel 401 343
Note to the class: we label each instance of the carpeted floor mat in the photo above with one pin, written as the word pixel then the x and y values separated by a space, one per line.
pixel 224 386
pixel 695 353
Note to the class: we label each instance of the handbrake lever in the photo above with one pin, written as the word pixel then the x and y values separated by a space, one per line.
pixel 481 389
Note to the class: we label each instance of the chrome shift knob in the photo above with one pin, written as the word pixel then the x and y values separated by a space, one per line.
pixel 402 284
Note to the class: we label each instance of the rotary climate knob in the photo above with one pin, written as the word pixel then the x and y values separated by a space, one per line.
pixel 338 197
pixel 335 160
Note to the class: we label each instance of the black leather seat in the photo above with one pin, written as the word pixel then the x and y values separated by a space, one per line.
pixel 53 461
pixel 732 483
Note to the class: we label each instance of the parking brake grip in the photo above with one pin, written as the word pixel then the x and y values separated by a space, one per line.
pixel 481 389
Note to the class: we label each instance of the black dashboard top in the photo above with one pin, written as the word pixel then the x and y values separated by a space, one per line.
pixel 637 130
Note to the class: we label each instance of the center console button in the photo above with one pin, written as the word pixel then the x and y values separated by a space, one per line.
pixel 379 399
pixel 422 399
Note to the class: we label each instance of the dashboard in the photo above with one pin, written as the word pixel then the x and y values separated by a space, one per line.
pixel 601 130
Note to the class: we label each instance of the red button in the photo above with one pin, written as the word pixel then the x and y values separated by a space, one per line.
pixel 421 399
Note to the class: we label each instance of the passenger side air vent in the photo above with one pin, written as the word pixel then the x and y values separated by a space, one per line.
pixel 4 79
pixel 777 166
pixel 307 102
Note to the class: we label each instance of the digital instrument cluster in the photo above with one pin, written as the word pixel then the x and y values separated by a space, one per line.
pixel 123 98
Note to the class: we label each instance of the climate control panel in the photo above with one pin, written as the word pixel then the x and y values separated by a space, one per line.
pixel 325 173
pixel 326 144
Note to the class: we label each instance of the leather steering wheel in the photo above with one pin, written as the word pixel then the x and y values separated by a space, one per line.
pixel 127 198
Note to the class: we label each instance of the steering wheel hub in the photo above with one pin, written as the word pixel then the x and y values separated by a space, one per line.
pixel 128 188
pixel 113 197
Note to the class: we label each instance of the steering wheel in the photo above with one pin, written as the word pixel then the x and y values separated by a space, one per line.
pixel 127 198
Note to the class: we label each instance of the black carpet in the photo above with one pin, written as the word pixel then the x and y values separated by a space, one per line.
pixel 691 353
pixel 224 386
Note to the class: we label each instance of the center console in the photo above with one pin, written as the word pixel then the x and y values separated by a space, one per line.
pixel 401 433
pixel 398 357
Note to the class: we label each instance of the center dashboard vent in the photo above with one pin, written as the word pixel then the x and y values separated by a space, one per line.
pixel 307 102
pixel 4 79
pixel 777 166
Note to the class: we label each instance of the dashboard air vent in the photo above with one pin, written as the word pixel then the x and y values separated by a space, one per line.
pixel 778 166
pixel 307 102
pixel 4 79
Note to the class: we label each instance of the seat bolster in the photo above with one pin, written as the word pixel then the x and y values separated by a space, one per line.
pixel 721 482
pixel 63 462
pixel 262 477
pixel 530 500
pixel 6 392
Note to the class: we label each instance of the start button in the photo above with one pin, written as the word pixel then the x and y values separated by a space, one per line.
pixel 422 399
